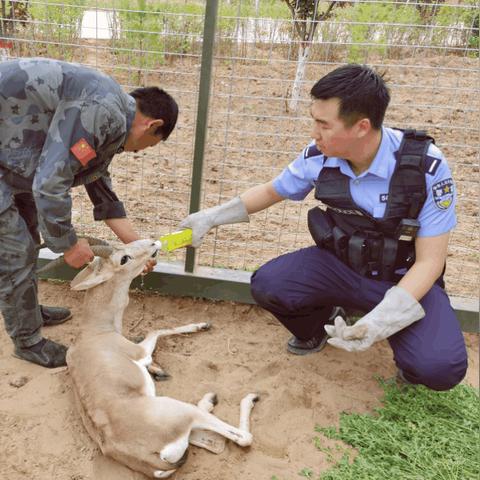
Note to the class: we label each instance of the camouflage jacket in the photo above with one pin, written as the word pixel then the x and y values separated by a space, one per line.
pixel 60 125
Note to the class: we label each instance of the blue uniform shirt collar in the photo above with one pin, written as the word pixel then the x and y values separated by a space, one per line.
pixel 378 167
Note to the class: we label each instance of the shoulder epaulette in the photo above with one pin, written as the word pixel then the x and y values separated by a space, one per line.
pixel 311 151
pixel 431 164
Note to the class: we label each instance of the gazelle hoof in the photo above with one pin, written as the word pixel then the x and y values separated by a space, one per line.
pixel 161 377
pixel 211 398
pixel 252 397
pixel 137 338
pixel 162 473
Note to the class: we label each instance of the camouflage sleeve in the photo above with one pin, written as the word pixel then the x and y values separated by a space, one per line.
pixel 106 203
pixel 75 125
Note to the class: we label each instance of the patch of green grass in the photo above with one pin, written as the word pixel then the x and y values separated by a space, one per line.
pixel 306 472
pixel 418 434
pixel 59 24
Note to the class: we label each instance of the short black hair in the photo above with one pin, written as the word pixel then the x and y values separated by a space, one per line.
pixel 362 93
pixel 156 103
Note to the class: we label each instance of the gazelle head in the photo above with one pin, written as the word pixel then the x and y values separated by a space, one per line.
pixel 124 262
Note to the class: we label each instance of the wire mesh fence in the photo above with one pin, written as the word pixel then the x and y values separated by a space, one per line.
pixel 267 56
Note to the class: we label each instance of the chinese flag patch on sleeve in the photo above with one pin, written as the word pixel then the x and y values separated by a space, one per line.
pixel 83 151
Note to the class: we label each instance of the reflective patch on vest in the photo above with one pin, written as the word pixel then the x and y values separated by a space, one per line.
pixel 383 198
pixel 443 193
pixel 346 211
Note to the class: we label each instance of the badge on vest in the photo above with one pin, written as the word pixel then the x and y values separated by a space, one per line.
pixel 443 193
pixel 83 151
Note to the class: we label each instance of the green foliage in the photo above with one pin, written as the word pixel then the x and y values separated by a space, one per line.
pixel 150 32
pixel 57 23
pixel 306 472
pixel 389 29
pixel 418 434
pixel 157 31
pixel 153 32
pixel 466 17
pixel 375 26
pixel 246 8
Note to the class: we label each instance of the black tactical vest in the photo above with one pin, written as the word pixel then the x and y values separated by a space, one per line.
pixel 375 247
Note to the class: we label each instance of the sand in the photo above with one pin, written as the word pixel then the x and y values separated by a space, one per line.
pixel 42 436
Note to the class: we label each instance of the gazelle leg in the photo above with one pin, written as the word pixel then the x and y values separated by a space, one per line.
pixel 246 406
pixel 176 452
pixel 151 339
pixel 206 439
pixel 242 435
pixel 208 402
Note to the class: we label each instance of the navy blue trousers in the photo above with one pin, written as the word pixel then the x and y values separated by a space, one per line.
pixel 300 288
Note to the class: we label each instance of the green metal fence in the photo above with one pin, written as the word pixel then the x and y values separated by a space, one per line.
pixel 241 71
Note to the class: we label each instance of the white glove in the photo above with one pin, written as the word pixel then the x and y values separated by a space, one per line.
pixel 234 211
pixel 397 310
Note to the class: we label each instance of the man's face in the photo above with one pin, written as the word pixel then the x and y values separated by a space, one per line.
pixel 142 133
pixel 139 141
pixel 331 135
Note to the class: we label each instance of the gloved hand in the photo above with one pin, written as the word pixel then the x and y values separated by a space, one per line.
pixel 397 310
pixel 201 222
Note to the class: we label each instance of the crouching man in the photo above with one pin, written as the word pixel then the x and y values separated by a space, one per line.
pixel 381 236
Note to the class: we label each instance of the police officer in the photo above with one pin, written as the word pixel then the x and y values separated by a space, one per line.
pixel 381 237
pixel 60 125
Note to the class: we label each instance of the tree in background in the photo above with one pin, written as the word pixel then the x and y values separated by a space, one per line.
pixel 306 15
pixel 12 12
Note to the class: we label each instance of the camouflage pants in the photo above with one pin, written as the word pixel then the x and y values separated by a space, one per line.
pixel 19 239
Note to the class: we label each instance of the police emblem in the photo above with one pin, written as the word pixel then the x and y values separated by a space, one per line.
pixel 443 193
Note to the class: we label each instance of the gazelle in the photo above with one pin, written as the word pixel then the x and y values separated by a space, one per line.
pixel 114 391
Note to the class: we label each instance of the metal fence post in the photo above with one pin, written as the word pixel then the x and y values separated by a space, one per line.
pixel 211 11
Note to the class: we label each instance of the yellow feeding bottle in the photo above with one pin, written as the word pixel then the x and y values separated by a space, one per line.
pixel 174 240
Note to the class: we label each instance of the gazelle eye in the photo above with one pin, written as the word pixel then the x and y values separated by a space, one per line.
pixel 125 259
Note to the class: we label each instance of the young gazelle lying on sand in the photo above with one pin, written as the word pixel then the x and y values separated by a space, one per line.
pixel 113 387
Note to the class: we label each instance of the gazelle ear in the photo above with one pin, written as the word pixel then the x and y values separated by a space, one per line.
pixel 92 275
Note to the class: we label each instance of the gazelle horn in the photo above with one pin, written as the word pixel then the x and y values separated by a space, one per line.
pixel 103 251
pixel 91 241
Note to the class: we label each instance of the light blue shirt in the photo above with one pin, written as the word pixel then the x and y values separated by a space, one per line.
pixel 369 190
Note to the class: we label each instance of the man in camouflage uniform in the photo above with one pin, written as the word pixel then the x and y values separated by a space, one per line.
pixel 60 126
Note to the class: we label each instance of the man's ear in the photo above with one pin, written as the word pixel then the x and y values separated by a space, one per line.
pixel 153 125
pixel 364 126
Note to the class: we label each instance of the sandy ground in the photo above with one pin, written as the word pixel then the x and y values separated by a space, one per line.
pixel 42 436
